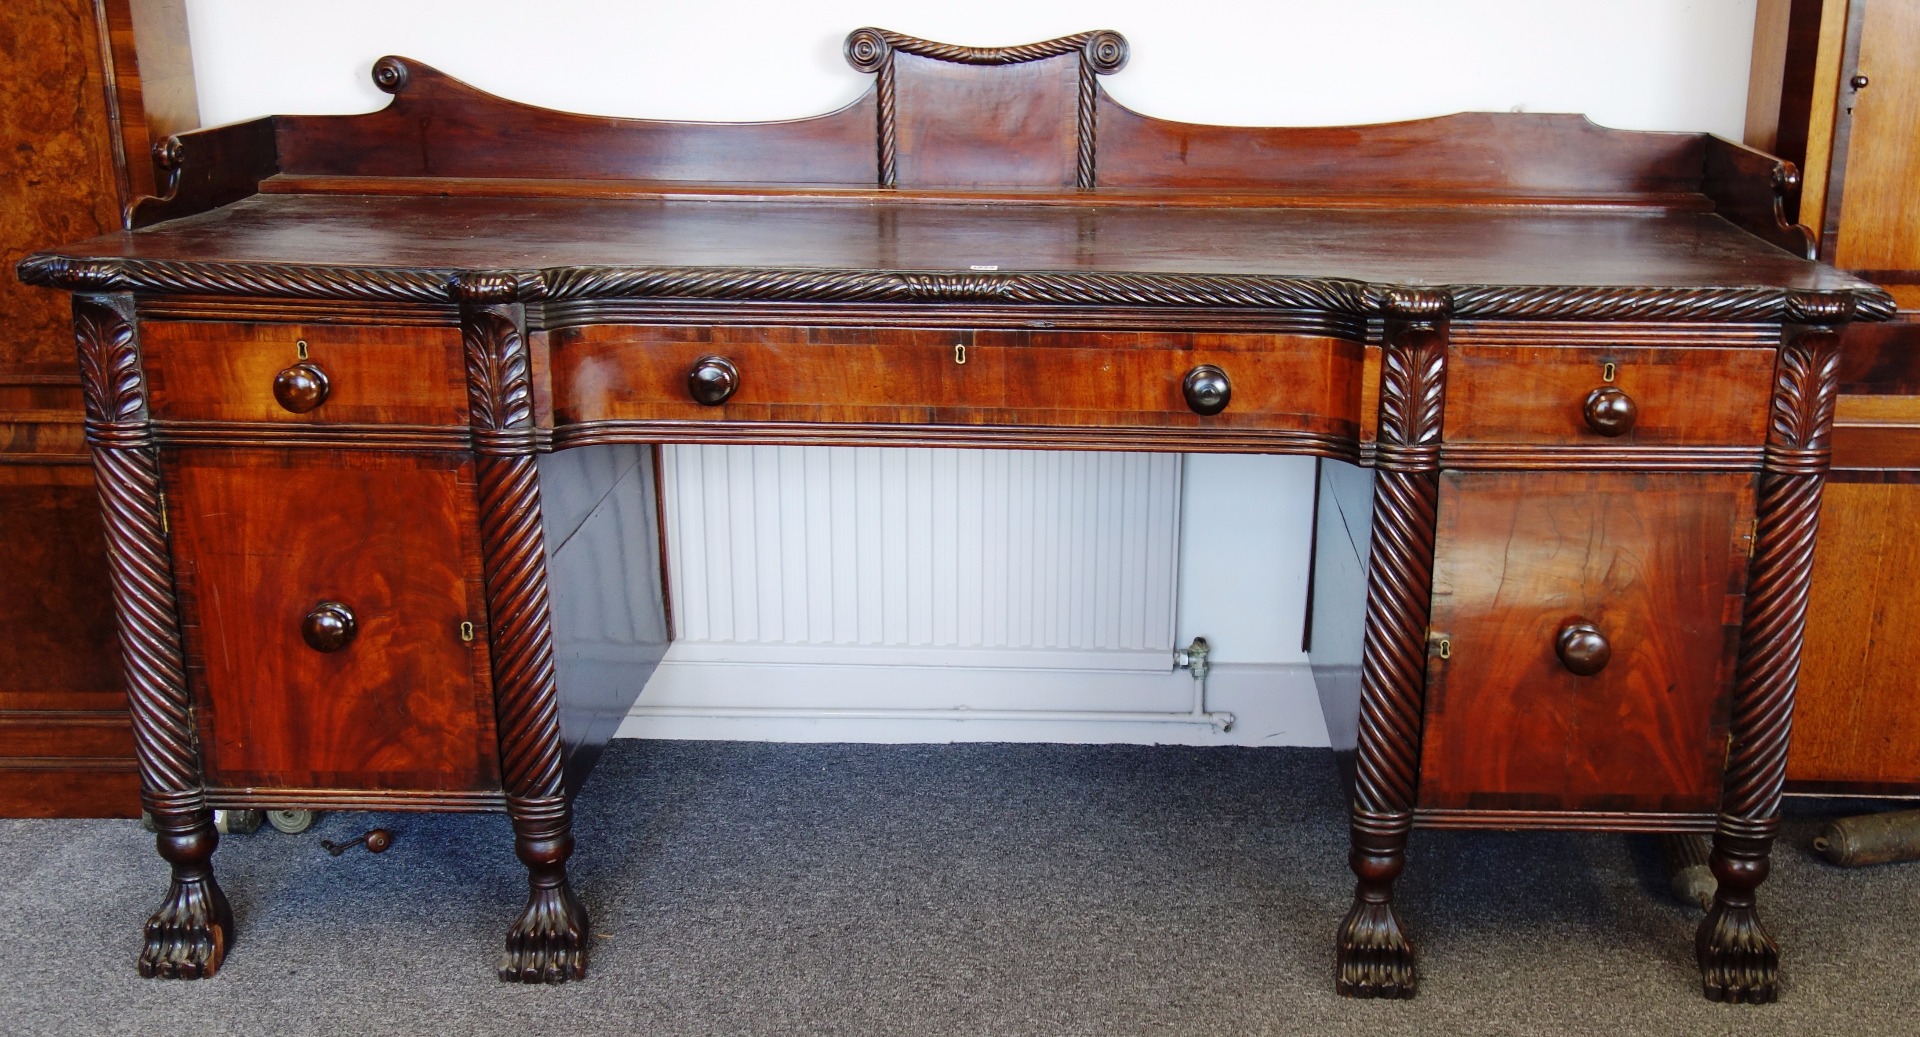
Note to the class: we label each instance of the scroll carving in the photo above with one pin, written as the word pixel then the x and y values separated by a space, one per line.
pixel 1102 52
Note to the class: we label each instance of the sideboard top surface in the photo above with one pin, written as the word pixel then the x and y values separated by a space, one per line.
pixel 1422 246
pixel 976 175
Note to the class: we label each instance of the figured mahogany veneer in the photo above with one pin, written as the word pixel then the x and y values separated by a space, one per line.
pixel 222 371
pixel 1564 380
pixel 1539 394
pixel 261 540
pixel 1657 563
pixel 828 376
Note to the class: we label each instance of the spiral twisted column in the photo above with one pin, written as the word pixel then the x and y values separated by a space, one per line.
pixel 1738 958
pixel 188 935
pixel 1373 957
pixel 548 943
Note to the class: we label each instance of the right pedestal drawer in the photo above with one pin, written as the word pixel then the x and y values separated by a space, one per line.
pixel 1584 630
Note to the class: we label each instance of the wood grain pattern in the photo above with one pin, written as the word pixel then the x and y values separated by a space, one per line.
pixel 57 179
pixel 1875 225
pixel 827 375
pixel 264 535
pixel 1853 722
pixel 439 126
pixel 212 371
pixel 1535 394
pixel 1658 563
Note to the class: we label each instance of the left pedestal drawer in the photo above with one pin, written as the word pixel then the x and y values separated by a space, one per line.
pixel 334 618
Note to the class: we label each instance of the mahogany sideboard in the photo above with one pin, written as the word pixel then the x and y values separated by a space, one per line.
pixel 370 401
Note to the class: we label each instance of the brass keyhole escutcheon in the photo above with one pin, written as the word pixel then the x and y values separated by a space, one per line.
pixel 466 631
pixel 300 349
pixel 959 352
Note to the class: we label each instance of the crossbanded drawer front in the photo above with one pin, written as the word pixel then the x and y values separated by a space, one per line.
pixel 916 376
pixel 1608 386
pixel 259 372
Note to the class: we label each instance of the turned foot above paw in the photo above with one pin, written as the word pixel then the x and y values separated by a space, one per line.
pixel 1372 956
pixel 548 944
pixel 187 938
pixel 1739 962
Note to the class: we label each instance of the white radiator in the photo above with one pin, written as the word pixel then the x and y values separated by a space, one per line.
pixel 1008 558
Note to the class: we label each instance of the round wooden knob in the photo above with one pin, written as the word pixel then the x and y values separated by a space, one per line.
pixel 1207 389
pixel 1583 648
pixel 328 628
pixel 713 381
pixel 1610 411
pixel 378 840
pixel 301 388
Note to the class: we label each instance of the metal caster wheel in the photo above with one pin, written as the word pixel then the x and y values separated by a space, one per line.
pixel 290 822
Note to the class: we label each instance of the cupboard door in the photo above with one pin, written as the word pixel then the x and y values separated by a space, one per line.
pixel 324 595
pixel 1591 622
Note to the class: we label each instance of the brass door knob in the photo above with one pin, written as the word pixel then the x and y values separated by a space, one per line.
pixel 1610 411
pixel 1583 649
pixel 1207 389
pixel 713 381
pixel 301 388
pixel 329 627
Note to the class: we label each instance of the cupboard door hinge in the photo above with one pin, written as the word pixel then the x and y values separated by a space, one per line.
pixel 166 528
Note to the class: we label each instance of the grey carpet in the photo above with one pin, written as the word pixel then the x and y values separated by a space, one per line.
pixel 745 888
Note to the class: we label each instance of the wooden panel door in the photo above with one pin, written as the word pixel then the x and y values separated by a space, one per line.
pixel 262 538
pixel 1656 562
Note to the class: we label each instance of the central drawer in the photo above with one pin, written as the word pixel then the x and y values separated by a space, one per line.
pixel 920 376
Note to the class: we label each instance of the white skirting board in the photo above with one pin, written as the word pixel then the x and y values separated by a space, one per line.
pixel 1272 704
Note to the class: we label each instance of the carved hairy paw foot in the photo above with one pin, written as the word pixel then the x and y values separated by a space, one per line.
pixel 1739 962
pixel 548 944
pixel 1372 957
pixel 188 937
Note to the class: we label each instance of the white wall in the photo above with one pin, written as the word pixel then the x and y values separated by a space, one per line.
pixel 1643 64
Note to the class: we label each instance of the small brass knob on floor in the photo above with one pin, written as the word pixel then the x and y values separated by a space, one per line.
pixel 713 381
pixel 329 627
pixel 1583 649
pixel 301 388
pixel 1610 411
pixel 1207 389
